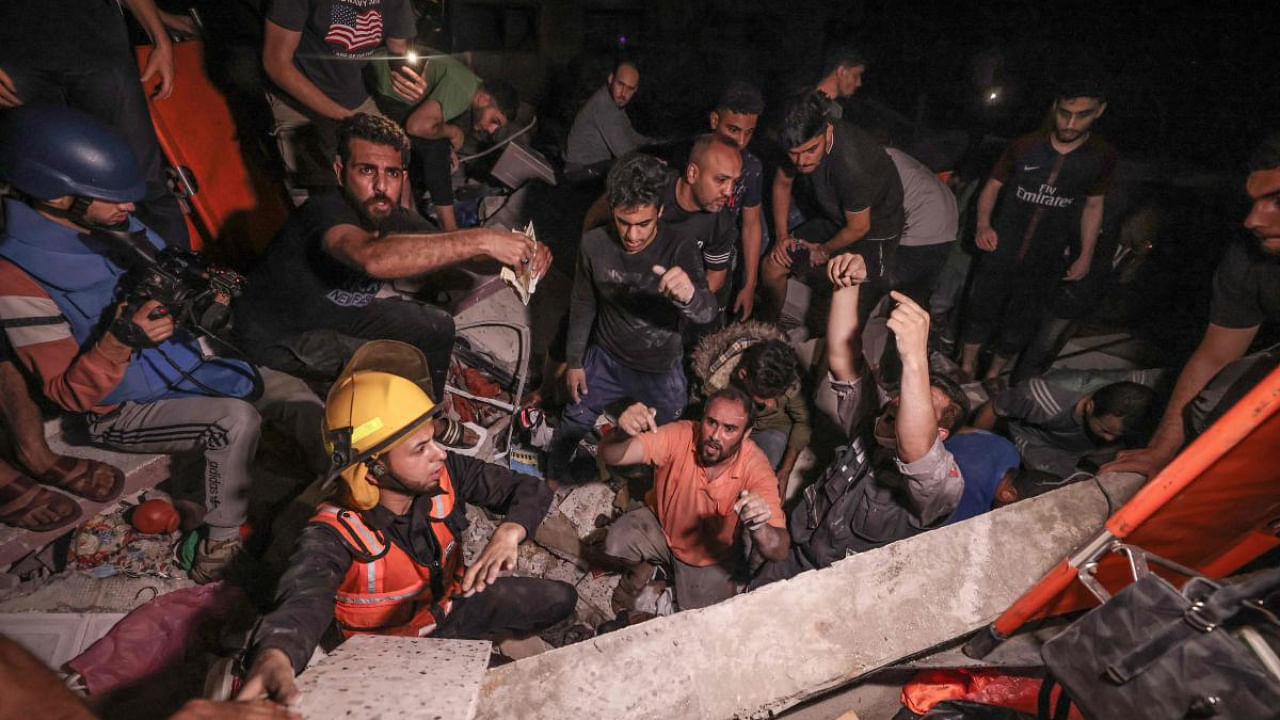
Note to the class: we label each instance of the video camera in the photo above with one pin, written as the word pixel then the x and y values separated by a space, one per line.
pixel 195 293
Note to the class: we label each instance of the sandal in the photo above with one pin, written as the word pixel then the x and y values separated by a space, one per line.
pixel 64 476
pixel 21 499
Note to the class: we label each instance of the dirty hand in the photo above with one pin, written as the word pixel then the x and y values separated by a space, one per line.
pixel 576 380
pixel 744 303
pixel 201 709
pixel 674 284
pixel 160 63
pixel 781 253
pixel 752 509
pixel 638 419
pixel 270 678
pixel 847 270
pixel 1146 461
pixel 512 249
pixel 8 91
pixel 910 325
pixel 1078 269
pixel 541 261
pixel 818 254
pixel 498 556
pixel 986 238
pixel 408 84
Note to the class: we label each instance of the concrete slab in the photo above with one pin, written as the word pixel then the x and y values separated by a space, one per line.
pixel 389 678
pixel 757 654
pixel 56 638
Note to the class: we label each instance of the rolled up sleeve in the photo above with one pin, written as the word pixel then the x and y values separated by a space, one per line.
pixel 933 483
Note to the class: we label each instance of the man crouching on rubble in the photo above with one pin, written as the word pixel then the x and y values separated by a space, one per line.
pixel 908 482
pixel 709 480
pixel 386 557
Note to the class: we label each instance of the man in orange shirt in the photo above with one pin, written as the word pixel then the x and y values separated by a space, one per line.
pixel 708 482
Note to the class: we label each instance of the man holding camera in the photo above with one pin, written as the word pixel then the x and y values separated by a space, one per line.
pixel 145 382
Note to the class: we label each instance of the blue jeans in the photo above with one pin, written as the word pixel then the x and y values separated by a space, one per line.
pixel 609 381
pixel 773 443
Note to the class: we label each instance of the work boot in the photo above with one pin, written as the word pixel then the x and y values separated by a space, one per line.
pixel 214 558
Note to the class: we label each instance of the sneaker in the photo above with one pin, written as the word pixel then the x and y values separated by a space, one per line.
pixel 214 558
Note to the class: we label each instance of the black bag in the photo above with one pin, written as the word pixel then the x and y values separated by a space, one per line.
pixel 1155 652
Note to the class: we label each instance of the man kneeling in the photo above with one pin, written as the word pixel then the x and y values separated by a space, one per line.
pixel 386 557
pixel 708 479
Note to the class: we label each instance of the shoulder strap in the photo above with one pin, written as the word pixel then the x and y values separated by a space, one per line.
pixel 364 542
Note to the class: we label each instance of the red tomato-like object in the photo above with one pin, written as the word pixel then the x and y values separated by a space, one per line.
pixel 155 516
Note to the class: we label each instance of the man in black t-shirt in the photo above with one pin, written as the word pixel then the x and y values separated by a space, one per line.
pixel 849 192
pixel 734 119
pixel 1054 182
pixel 312 299
pixel 636 281
pixel 315 52
pixel 1244 312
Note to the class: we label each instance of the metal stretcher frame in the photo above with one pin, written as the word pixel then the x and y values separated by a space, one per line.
pixel 1211 511
pixel 521 374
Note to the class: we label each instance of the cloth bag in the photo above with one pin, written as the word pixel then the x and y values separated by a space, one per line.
pixel 1156 652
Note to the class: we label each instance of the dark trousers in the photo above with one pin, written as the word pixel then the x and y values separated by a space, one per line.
pixel 112 93
pixel 1007 300
pixel 916 269
pixel 319 355
pixel 429 169
pixel 609 381
pixel 510 607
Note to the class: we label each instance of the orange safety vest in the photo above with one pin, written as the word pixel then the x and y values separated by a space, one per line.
pixel 386 591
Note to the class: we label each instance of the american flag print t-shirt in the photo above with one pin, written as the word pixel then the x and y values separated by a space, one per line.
pixel 338 37
pixel 353 28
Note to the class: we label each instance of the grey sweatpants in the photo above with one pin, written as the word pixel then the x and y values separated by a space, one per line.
pixel 636 536
pixel 226 430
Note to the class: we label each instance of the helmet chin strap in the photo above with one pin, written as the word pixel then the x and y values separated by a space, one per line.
pixel 78 214
pixel 388 480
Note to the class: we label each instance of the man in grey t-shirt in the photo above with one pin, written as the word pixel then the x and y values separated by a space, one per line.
pixel 932 222
pixel 602 131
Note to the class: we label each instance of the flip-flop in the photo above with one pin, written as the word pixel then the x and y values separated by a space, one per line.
pixel 21 497
pixel 63 476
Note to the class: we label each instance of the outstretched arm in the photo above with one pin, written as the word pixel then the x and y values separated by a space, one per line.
pixel 409 255
pixel 1220 347
pixel 917 425
pixel 160 61
pixel 847 273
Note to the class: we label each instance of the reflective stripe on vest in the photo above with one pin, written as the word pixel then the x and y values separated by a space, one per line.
pixel 385 590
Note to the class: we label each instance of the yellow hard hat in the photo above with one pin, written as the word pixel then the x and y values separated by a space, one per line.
pixel 367 413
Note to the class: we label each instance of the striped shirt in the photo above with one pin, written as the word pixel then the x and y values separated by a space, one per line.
pixel 74 378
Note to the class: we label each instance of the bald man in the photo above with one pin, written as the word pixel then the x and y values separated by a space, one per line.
pixel 695 207
pixel 602 131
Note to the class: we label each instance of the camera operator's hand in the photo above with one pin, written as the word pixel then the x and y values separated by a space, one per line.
pixel 152 321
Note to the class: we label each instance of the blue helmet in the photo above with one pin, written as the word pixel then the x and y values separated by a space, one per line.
pixel 48 152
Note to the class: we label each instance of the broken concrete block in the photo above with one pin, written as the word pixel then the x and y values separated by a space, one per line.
pixel 585 503
pixel 757 654
pixel 374 676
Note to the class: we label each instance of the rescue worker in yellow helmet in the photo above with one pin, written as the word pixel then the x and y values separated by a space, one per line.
pixel 384 556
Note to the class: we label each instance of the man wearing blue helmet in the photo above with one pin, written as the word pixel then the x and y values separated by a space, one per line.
pixel 143 383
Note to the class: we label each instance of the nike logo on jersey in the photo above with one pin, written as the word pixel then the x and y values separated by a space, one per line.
pixel 1029 168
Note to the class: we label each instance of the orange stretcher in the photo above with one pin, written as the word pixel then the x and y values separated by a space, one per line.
pixel 1211 511
pixel 229 206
